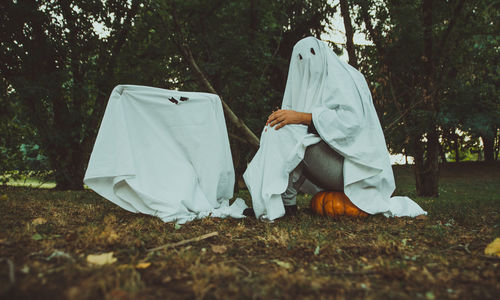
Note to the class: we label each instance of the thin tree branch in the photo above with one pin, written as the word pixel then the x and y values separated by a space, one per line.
pixel 371 30
pixel 231 116
pixel 237 122
pixel 273 56
pixel 349 33
pixel 456 14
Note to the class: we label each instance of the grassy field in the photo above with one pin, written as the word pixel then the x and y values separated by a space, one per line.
pixel 46 237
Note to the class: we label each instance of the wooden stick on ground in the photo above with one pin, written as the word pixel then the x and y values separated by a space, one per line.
pixel 183 242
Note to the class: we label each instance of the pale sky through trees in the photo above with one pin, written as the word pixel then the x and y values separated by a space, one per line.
pixel 336 34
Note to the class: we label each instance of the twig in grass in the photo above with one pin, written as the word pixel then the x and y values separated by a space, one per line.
pixel 494 258
pixel 462 247
pixel 466 249
pixel 242 267
pixel 37 254
pixel 183 242
pixel 371 272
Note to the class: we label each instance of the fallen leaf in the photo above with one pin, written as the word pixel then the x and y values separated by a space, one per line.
pixel 101 259
pixel 4 197
pixel 109 235
pixel 421 217
pixel 143 265
pixel 38 221
pixel 25 269
pixel 219 249
pixel 493 248
pixel 37 237
pixel 73 292
pixel 430 296
pixel 58 255
pixel 166 279
pixel 282 264
pixel 124 267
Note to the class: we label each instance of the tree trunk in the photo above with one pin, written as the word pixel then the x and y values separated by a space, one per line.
pixel 456 147
pixel 69 171
pixel 251 138
pixel 497 143
pixel 442 154
pixel 239 151
pixel 65 147
pixel 427 158
pixel 231 117
pixel 489 147
pixel 349 33
pixel 427 166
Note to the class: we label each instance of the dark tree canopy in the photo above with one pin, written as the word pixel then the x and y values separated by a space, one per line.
pixel 433 70
pixel 60 70
pixel 422 58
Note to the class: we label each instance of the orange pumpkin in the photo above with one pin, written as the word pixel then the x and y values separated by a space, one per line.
pixel 334 204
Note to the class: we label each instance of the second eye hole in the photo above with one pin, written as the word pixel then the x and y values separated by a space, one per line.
pixel 300 56
pixel 312 51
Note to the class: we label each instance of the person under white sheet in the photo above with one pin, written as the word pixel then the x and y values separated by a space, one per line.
pixel 326 100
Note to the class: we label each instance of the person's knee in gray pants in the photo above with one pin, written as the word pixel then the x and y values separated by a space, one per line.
pixel 322 166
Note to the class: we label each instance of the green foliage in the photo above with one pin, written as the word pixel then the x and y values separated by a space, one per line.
pixel 20 154
pixel 465 64
pixel 433 69
pixel 243 48
pixel 58 69
pixel 61 59
pixel 80 50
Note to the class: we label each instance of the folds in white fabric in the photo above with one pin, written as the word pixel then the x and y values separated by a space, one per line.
pixel 164 153
pixel 267 174
pixel 339 100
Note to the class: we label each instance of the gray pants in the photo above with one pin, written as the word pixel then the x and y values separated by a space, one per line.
pixel 321 169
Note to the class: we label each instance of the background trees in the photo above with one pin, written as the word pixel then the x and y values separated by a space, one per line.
pixel 242 49
pixel 433 69
pixel 59 68
pixel 422 72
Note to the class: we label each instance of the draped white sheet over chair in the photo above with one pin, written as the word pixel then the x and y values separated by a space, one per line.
pixel 164 153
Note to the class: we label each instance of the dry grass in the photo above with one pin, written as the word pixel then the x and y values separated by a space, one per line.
pixel 305 257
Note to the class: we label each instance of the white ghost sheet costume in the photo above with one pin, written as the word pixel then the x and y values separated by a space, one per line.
pixel 164 153
pixel 343 114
